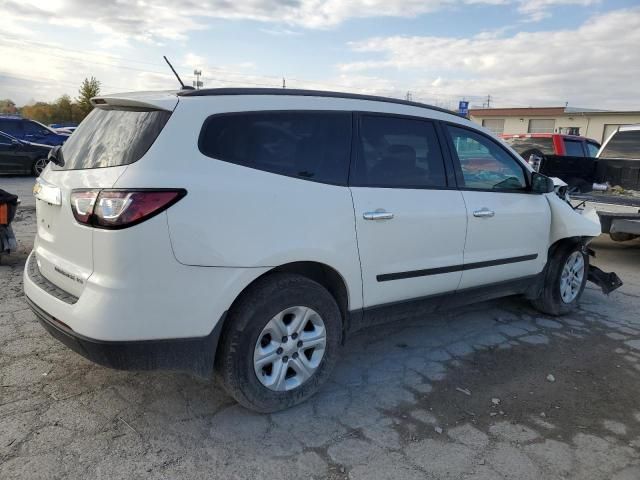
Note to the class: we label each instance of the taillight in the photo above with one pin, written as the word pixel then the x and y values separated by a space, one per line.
pixel 115 209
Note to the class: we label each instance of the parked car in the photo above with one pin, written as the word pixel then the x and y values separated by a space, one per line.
pixel 30 130
pixel 618 170
pixel 569 157
pixel 251 231
pixel 20 157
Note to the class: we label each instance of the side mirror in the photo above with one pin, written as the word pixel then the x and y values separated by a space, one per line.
pixel 541 183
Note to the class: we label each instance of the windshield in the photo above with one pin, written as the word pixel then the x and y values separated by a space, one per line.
pixel 112 137
pixel 625 144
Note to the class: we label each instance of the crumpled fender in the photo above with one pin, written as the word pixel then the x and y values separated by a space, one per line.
pixel 567 222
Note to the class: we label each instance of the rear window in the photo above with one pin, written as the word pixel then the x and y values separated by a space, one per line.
pixel 573 148
pixel 521 145
pixel 112 137
pixel 623 145
pixel 309 145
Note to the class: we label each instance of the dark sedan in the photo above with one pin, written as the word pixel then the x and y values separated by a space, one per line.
pixel 21 157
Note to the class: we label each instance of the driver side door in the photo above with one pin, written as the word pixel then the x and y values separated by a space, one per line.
pixel 507 224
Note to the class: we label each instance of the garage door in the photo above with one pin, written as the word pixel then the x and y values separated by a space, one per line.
pixel 609 128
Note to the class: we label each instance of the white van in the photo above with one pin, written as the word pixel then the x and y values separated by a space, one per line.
pixel 250 231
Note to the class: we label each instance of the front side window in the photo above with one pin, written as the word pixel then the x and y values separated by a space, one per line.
pixel 573 148
pixel 33 128
pixel 592 149
pixel 624 144
pixel 309 145
pixel 484 164
pixel 398 152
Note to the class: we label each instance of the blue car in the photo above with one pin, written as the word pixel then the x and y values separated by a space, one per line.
pixel 30 131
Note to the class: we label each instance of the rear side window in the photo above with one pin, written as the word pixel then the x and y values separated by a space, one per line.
pixel 309 145
pixel 573 148
pixel 521 145
pixel 12 127
pixel 623 145
pixel 112 137
pixel 399 153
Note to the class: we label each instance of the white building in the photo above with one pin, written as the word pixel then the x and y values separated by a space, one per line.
pixel 595 124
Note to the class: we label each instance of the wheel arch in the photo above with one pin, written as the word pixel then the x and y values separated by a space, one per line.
pixel 319 272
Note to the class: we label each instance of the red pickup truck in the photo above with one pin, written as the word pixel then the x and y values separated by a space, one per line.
pixel 569 157
pixel 542 144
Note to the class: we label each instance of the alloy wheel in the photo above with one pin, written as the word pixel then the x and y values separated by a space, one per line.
pixel 290 348
pixel 572 277
pixel 40 165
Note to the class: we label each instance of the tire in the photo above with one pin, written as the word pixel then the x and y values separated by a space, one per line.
pixel 253 314
pixel 38 166
pixel 551 300
pixel 621 236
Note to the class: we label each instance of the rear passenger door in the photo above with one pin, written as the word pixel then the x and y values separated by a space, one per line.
pixel 508 225
pixel 410 224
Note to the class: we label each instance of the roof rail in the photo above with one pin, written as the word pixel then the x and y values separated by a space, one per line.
pixel 207 92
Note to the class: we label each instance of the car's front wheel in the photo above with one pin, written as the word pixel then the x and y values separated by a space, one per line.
pixel 39 165
pixel 280 343
pixel 565 279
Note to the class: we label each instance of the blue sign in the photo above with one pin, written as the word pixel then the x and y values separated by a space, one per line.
pixel 463 108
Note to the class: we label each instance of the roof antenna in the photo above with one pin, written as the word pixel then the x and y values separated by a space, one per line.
pixel 182 85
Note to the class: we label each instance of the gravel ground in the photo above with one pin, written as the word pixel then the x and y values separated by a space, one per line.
pixel 490 391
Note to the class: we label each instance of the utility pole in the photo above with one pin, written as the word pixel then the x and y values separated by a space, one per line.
pixel 284 83
pixel 488 101
pixel 197 83
pixel 409 96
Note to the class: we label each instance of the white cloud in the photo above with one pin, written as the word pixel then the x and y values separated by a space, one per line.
pixel 579 66
pixel 536 10
pixel 157 20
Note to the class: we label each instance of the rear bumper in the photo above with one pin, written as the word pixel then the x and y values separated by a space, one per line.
pixel 193 355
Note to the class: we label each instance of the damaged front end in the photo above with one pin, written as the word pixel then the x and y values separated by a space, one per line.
pixel 568 222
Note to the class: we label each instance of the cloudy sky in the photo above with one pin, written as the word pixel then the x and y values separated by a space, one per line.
pixel 535 52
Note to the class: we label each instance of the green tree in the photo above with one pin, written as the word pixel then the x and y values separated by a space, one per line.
pixel 63 109
pixel 89 88
pixel 42 112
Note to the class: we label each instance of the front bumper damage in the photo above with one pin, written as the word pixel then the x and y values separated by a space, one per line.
pixel 607 281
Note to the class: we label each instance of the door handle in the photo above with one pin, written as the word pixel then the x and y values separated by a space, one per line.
pixel 484 213
pixel 379 214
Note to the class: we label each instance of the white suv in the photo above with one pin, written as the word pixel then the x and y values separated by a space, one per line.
pixel 250 231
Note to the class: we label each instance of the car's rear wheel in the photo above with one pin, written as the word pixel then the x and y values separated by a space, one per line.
pixel 280 343
pixel 565 279
pixel 39 165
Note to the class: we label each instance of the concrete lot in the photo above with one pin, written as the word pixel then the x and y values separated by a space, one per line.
pixel 486 392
